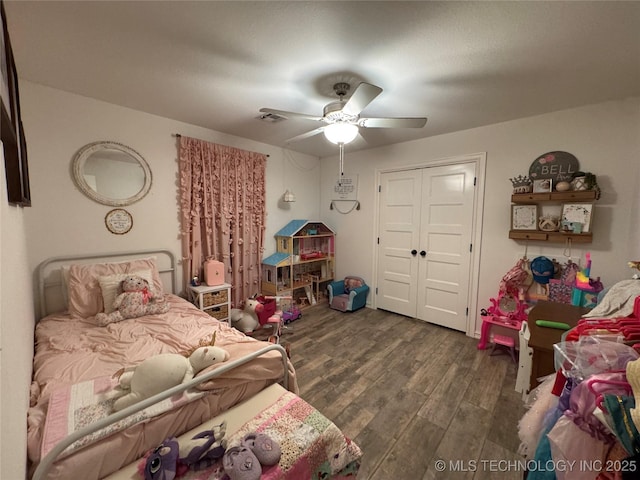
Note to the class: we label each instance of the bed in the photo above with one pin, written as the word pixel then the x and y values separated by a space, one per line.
pixel 73 431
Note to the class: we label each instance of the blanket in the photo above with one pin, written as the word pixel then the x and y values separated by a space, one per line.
pixel 618 301
pixel 312 445
pixel 73 407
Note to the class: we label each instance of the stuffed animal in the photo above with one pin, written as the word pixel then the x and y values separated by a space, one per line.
pixel 161 372
pixel 135 300
pixel 246 320
pixel 202 450
pixel 172 459
pixel 162 462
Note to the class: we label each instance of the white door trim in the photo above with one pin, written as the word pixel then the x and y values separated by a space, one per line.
pixel 480 160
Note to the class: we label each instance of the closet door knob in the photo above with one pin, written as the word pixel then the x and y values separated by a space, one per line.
pixel 414 251
pixel 423 253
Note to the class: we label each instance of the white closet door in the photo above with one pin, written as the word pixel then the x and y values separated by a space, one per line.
pixel 399 234
pixel 445 240
pixel 424 236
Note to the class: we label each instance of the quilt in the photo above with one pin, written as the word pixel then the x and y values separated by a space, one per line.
pixel 73 407
pixel 312 445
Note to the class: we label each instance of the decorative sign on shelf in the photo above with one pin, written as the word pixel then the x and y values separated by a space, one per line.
pixel 524 217
pixel 557 166
pixel 578 213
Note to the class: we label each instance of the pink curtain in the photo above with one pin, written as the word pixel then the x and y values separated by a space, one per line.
pixel 222 207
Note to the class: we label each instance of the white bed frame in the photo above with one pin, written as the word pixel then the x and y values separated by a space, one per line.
pixel 50 279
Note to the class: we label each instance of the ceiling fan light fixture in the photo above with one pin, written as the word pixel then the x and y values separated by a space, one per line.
pixel 341 132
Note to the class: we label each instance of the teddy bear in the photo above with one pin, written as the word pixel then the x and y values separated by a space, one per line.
pixel 135 300
pixel 163 371
pixel 247 320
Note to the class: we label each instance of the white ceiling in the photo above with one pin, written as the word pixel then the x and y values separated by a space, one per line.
pixel 215 64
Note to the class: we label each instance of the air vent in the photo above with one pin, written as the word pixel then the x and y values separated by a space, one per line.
pixel 270 117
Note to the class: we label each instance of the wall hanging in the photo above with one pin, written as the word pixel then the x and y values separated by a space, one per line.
pixel 12 136
pixel 345 192
pixel 118 221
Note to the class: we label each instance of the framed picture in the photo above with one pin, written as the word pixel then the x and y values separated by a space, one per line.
pixel 12 135
pixel 543 185
pixel 4 85
pixel 577 217
pixel 524 217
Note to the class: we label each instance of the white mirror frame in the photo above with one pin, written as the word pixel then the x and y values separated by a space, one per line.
pixel 78 177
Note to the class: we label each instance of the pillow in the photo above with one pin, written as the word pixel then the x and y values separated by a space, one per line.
pixel 85 295
pixel 351 283
pixel 109 286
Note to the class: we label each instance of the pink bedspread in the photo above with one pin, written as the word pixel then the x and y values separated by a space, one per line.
pixel 71 350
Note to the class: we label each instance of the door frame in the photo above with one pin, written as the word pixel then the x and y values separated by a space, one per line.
pixel 480 161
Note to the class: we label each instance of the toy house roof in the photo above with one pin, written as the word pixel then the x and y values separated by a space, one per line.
pixel 275 259
pixel 294 226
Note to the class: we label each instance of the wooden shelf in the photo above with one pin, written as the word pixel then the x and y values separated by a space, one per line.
pixel 573 196
pixel 558 198
pixel 554 237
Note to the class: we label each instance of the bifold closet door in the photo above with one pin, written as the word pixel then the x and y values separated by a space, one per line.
pixel 425 229
pixel 445 238
pixel 398 237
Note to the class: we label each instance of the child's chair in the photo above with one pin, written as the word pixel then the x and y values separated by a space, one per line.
pixel 348 295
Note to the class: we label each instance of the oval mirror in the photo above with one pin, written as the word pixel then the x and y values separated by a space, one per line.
pixel 111 173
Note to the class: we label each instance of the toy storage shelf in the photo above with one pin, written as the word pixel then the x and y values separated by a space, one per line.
pixel 303 262
pixel 551 198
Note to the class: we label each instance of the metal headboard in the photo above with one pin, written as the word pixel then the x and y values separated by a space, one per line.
pixel 49 276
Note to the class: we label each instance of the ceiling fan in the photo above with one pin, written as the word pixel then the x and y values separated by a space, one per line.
pixel 342 118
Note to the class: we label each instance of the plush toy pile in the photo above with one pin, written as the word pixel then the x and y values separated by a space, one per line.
pixel 136 299
pixel 173 459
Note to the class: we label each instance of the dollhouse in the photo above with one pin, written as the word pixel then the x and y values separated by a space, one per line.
pixel 303 263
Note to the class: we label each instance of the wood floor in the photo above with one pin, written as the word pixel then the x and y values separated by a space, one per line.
pixel 409 394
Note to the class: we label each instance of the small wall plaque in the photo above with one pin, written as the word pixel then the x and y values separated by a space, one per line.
pixel 118 221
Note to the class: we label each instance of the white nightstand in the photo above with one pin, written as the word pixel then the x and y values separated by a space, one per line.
pixel 216 301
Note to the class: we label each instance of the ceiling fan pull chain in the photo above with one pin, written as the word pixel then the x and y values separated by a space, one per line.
pixel 341 145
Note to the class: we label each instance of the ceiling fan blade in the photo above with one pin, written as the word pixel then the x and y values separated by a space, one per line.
pixel 362 96
pixel 392 122
pixel 286 114
pixel 302 136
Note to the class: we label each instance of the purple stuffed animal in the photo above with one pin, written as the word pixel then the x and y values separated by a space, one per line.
pixel 200 452
pixel 163 461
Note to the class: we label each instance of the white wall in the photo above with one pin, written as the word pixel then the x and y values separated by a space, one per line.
pixel 16 335
pixel 606 140
pixel 63 221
